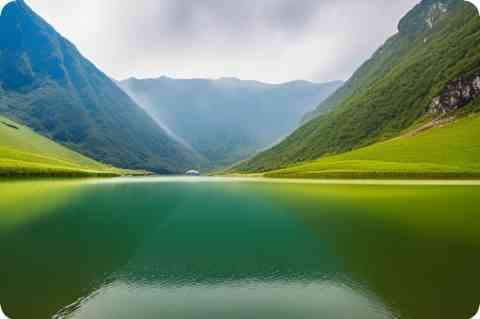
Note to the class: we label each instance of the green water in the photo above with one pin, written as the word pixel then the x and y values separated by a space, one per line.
pixel 226 249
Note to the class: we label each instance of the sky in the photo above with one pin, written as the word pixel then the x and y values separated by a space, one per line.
pixel 266 40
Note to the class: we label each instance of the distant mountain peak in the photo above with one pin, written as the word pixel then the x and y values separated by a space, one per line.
pixel 227 119
pixel 229 78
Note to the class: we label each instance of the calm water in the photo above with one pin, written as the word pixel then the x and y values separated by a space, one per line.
pixel 217 248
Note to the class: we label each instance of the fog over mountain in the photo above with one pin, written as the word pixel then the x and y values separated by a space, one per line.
pixel 228 119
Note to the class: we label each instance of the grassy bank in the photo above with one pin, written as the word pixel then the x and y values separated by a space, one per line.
pixel 451 150
pixel 24 153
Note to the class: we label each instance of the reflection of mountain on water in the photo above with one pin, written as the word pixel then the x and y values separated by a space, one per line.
pixel 272 248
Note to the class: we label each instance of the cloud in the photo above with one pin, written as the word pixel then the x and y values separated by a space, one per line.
pixel 267 40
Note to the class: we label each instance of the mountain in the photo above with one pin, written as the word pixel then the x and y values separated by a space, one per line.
pixel 23 152
pixel 227 120
pixel 428 70
pixel 48 85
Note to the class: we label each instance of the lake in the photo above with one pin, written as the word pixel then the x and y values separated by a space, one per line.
pixel 194 248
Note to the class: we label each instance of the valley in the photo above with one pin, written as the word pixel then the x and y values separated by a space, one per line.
pixel 227 120
pixel 199 196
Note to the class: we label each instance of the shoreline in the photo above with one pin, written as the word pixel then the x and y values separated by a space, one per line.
pixel 379 175
pixel 61 173
pixel 261 179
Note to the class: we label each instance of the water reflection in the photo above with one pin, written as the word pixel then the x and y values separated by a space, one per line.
pixel 187 249
pixel 232 300
pixel 23 201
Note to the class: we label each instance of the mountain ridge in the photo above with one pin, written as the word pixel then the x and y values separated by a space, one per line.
pixel 391 91
pixel 47 84
pixel 226 78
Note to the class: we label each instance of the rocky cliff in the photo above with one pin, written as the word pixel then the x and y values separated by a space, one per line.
pixel 456 95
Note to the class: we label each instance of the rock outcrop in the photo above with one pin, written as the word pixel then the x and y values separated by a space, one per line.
pixel 456 95
pixel 426 16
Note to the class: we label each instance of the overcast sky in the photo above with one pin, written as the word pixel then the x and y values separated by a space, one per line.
pixel 265 40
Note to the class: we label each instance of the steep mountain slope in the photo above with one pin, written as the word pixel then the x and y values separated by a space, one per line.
pixel 438 41
pixel 48 85
pixel 227 120
pixel 23 152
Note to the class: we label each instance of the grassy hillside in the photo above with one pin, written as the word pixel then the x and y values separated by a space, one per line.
pixel 450 150
pixel 25 153
pixel 47 84
pixel 438 41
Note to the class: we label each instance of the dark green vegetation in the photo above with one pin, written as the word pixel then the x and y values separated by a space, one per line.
pixel 25 153
pixel 227 120
pixel 46 84
pixel 449 151
pixel 438 41
pixel 252 250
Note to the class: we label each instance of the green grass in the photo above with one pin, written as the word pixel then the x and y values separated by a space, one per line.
pixel 449 151
pixel 389 93
pixel 26 153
